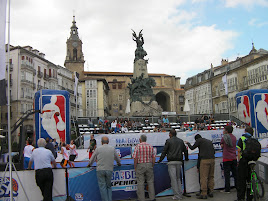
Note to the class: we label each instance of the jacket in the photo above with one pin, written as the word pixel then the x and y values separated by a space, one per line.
pixel 174 149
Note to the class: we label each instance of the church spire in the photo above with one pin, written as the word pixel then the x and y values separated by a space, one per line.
pixel 74 32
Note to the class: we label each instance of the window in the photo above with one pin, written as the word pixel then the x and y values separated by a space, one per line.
pixel 45 72
pixel 10 61
pixel 114 86
pixel 120 97
pixel 181 109
pixel 110 107
pixel 120 107
pixel 39 69
pixel 49 72
pixel 181 99
pixel 22 57
pixel 119 85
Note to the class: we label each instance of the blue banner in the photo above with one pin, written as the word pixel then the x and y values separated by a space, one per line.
pixel 83 183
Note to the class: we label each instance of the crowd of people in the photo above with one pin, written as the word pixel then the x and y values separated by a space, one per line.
pixel 176 151
pixel 124 125
pixel 68 152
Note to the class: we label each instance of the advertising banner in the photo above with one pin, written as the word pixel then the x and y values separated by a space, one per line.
pixel 53 121
pixel 159 139
pixel 32 190
pixel 252 108
pixel 83 183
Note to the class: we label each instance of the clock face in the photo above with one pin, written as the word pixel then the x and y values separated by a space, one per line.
pixel 74 44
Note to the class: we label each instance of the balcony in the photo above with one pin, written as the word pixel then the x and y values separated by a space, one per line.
pixel 39 74
pixel 28 82
pixel 52 78
pixel 46 77
pixel 39 87
pixel 10 67
pixel 10 81
pixel 27 65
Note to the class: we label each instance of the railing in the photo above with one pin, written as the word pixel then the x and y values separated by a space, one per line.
pixel 10 67
pixel 39 74
pixel 46 77
pixel 24 81
pixel 39 87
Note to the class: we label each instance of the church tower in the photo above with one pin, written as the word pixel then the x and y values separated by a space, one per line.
pixel 74 58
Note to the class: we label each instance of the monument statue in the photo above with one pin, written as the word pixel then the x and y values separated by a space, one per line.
pixel 140 89
pixel 140 53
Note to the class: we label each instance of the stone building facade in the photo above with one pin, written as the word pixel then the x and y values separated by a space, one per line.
pixel 106 93
pixel 30 72
pixel 248 72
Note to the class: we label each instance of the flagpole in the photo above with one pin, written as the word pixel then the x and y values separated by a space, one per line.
pixel 8 106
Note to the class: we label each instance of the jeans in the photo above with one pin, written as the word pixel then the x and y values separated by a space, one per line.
pixel 174 170
pixel 26 163
pixel 145 171
pixel 243 176
pixel 229 166
pixel 44 179
pixel 105 186
pixel 207 167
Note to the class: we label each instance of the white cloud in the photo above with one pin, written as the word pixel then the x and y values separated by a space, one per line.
pixel 245 3
pixel 257 23
pixel 174 42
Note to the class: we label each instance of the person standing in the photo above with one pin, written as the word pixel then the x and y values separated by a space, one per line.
pixel 65 156
pixel 51 147
pixel 73 152
pixel 228 144
pixel 92 146
pixel 144 160
pixel 27 152
pixel 42 159
pixel 207 165
pixel 174 149
pixel 106 155
pixel 243 168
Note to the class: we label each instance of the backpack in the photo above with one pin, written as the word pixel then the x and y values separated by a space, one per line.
pixel 252 150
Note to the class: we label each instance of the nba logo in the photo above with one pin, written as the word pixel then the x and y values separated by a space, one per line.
pixel 261 112
pixel 243 109
pixel 54 118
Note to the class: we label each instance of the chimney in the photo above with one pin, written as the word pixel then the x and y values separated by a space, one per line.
pixel 224 62
pixel 42 55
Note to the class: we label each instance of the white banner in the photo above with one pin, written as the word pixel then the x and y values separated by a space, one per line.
pixel 158 139
pixel 32 190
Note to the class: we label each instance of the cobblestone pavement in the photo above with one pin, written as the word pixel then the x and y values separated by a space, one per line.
pixel 218 196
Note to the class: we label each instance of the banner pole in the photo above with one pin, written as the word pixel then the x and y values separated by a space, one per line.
pixel 8 107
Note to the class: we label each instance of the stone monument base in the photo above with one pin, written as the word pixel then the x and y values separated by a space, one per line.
pixel 138 108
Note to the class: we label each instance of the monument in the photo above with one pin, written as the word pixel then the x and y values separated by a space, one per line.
pixel 140 89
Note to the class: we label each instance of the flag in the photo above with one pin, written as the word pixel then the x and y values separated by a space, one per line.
pixel 224 80
pixel 76 78
pixel 3 97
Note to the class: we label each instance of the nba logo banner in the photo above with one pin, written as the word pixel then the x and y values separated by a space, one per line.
pixel 252 108
pixel 53 121
pixel 243 109
pixel 261 114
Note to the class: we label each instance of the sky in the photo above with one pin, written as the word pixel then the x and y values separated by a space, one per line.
pixel 182 37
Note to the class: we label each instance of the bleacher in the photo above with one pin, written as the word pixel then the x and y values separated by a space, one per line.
pixel 86 129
